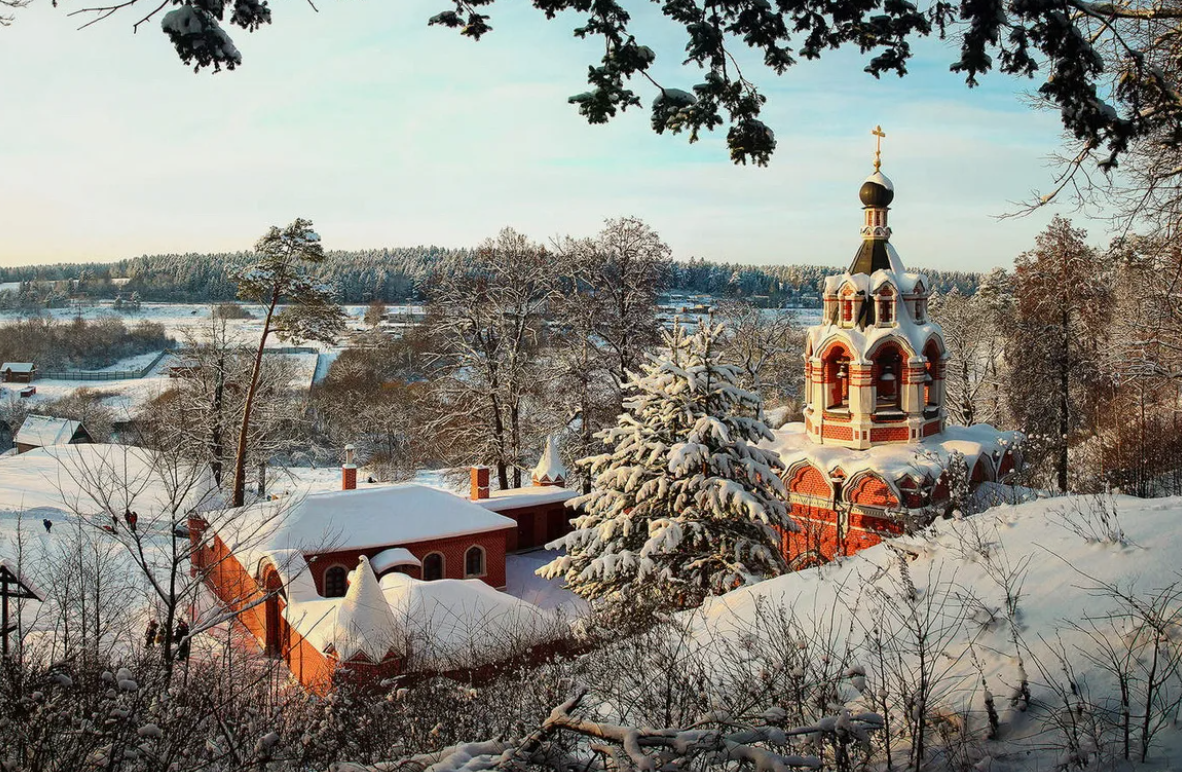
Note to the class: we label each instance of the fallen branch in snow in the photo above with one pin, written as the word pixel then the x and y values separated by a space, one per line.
pixel 714 739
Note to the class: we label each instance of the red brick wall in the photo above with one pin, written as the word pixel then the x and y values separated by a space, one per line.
pixel 889 434
pixel 930 428
pixel 537 525
pixel 236 588
pixel 810 481
pixel 871 491
pixel 452 549
pixel 817 542
pixel 836 432
pixel 817 539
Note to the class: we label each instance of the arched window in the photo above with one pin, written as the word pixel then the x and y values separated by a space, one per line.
pixel 474 562
pixel 888 367
pixel 886 306
pixel 336 582
pixel 432 567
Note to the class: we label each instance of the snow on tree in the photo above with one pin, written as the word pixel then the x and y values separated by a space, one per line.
pixel 684 504
pixel 281 275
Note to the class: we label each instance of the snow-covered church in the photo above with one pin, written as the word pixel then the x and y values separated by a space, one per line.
pixel 874 453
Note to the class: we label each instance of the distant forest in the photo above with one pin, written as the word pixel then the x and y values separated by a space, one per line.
pixel 389 275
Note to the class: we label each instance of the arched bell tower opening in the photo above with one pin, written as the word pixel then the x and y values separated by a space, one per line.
pixel 888 383
pixel 835 369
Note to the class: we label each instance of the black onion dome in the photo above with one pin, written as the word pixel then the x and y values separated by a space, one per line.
pixel 877 191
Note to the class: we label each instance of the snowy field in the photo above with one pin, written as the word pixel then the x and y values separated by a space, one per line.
pixel 182 321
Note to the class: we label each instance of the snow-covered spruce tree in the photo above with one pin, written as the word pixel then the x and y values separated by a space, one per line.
pixel 683 504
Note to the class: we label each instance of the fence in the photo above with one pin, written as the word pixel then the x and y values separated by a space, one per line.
pixel 102 375
pixel 119 375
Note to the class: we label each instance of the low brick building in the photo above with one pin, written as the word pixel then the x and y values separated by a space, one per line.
pixel 343 584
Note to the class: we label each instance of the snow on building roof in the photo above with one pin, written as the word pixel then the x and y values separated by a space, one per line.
pixel 357 519
pixel 395 556
pixel 446 622
pixel 364 621
pixel 924 459
pixel 550 468
pixel 18 367
pixel 42 430
pixel 95 479
pixel 532 496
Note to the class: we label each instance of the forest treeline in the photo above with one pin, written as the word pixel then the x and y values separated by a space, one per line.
pixel 387 275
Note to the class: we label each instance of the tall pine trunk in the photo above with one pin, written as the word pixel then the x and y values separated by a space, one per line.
pixel 239 494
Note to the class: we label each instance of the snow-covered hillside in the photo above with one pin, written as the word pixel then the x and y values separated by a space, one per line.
pixel 1037 611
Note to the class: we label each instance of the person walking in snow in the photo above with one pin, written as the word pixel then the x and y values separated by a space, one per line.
pixel 48 524
pixel 182 640
pixel 151 633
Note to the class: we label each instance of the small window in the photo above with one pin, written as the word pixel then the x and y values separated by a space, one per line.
pixel 336 582
pixel 474 562
pixel 432 567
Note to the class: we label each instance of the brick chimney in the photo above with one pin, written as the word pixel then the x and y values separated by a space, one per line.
pixel 348 471
pixel 479 482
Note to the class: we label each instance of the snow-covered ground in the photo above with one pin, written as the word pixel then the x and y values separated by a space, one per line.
pixel 1019 593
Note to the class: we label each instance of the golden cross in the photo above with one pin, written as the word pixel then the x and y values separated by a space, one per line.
pixel 879 133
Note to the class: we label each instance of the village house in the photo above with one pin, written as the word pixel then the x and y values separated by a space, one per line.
pixel 40 431
pixel 874 455
pixel 18 372
pixel 352 584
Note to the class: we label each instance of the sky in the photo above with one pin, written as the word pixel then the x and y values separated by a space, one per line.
pixel 386 132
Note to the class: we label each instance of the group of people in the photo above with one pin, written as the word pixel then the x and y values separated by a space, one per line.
pixel 156 635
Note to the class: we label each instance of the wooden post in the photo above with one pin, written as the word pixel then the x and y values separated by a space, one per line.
pixel 11 586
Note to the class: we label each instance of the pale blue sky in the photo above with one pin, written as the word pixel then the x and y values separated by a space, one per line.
pixel 386 132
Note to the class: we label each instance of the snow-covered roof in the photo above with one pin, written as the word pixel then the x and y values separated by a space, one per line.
pixel 93 479
pixel 17 367
pixel 924 459
pixel 395 556
pixel 454 622
pixel 381 516
pixel 905 281
pixel 550 467
pixel 364 621
pixel 42 430
pixel 517 498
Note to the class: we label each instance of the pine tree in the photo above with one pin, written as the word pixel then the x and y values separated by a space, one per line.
pixel 281 274
pixel 683 504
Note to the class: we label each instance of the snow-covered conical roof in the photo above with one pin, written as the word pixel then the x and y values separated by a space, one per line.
pixel 550 468
pixel 365 623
